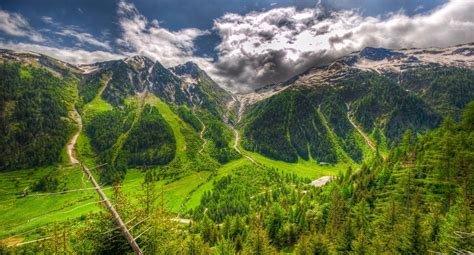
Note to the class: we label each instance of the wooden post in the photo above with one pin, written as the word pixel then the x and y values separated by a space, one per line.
pixel 114 213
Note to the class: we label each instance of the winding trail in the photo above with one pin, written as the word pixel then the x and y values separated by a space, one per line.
pixel 201 135
pixel 359 129
pixel 236 132
pixel 236 146
pixel 72 143
pixel 72 158
pixel 77 118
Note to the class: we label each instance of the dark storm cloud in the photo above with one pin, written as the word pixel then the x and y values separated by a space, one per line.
pixel 261 48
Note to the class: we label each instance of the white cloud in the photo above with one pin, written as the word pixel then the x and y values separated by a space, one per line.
pixel 70 55
pixel 16 25
pixel 85 38
pixel 267 47
pixel 144 37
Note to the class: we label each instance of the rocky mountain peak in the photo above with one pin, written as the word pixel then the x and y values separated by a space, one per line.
pixel 139 61
pixel 189 68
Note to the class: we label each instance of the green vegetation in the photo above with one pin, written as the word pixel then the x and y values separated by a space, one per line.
pixel 188 116
pixel 292 125
pixel 410 203
pixel 448 90
pixel 151 141
pixel 90 87
pixel 179 184
pixel 34 124
pixel 313 122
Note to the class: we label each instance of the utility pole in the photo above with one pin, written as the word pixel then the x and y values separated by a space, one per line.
pixel 114 213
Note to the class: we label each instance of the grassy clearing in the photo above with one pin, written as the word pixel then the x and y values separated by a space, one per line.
pixel 95 106
pixel 173 120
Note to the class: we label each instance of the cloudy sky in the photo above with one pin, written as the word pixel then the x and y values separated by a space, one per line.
pixel 242 44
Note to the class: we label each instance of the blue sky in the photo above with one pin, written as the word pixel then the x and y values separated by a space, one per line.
pixel 242 43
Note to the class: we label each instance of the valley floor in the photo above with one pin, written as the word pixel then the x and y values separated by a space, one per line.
pixel 21 214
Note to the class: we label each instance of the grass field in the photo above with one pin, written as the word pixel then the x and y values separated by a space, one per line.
pixel 19 214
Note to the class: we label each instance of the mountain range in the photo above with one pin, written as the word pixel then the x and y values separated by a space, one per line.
pixel 368 154
pixel 332 113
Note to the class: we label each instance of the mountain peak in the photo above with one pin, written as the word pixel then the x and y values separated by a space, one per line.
pixel 139 60
pixel 189 68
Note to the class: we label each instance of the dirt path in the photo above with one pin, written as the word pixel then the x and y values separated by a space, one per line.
pixel 72 142
pixel 359 129
pixel 201 135
pixel 236 140
pixel 77 118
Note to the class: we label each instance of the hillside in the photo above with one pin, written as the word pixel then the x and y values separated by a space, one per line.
pixel 325 112
pixel 171 147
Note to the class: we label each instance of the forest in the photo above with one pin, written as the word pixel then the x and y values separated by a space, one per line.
pixel 34 116
pixel 302 122
pixel 416 200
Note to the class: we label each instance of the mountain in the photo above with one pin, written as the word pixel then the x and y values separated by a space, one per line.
pixel 369 154
pixel 201 89
pixel 115 100
pixel 327 112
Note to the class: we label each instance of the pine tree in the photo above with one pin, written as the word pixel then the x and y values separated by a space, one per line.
pixel 413 241
pixel 225 247
pixel 386 229
pixel 336 213
pixel 312 244
pixel 150 195
pixel 274 222
pixel 345 237
pixel 258 242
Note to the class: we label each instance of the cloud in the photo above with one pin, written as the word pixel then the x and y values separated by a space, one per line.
pixel 148 38
pixel 85 38
pixel 268 47
pixel 16 25
pixel 70 55
pixel 47 20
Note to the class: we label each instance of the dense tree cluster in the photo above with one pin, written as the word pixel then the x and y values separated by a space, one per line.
pixel 34 123
pixel 188 116
pixel 118 138
pixel 296 123
pixel 415 201
pixel 89 87
pixel 219 137
pixel 418 199
pixel 150 141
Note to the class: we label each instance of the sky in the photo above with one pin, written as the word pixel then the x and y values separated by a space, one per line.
pixel 242 44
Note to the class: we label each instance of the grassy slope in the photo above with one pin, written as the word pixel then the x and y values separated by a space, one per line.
pixel 18 215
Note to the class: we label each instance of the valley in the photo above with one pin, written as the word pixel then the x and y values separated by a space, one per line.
pixel 329 144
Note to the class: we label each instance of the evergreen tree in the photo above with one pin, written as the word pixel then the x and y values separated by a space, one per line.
pixel 413 240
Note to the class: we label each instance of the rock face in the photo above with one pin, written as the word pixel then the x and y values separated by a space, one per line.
pixel 201 90
pixel 378 54
pixel 134 75
pixel 183 84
